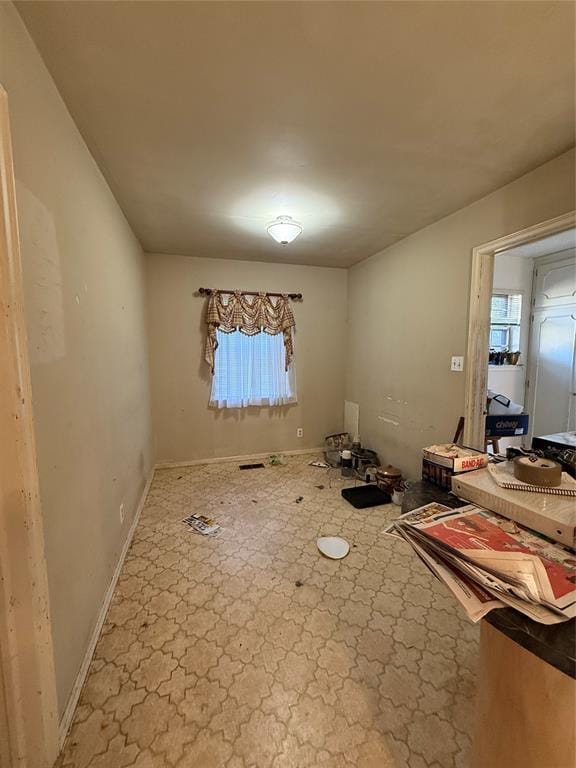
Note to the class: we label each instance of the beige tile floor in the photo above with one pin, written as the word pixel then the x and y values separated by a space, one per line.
pixel 211 655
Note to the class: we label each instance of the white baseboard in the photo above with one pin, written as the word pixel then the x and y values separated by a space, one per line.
pixel 242 458
pixel 68 715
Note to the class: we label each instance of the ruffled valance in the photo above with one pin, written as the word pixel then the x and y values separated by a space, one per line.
pixel 249 315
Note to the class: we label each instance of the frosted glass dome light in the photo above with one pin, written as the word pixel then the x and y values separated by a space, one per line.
pixel 284 229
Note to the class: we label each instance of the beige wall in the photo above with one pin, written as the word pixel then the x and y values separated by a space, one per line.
pixel 184 426
pixel 408 314
pixel 85 295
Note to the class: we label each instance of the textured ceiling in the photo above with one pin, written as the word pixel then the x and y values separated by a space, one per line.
pixel 365 121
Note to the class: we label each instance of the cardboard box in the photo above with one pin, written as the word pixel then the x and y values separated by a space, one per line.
pixel 550 515
pixel 507 426
pixel 440 469
pixel 434 473
pixel 467 460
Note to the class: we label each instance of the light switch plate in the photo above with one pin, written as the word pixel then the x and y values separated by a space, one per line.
pixel 457 364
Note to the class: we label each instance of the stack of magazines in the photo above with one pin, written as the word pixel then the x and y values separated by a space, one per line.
pixel 489 562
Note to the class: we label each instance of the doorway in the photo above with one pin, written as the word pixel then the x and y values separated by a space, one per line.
pixel 532 334
pixel 483 256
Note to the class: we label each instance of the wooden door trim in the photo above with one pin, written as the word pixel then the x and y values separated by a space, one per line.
pixel 29 708
pixel 476 374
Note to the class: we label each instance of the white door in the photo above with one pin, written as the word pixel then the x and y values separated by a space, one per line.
pixel 551 384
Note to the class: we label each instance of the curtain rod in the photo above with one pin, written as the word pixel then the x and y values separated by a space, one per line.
pixel 210 291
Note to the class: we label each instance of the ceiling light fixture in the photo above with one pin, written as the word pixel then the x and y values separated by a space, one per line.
pixel 284 229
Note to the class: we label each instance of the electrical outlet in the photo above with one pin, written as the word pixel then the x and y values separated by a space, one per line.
pixel 299 432
pixel 121 513
pixel 457 364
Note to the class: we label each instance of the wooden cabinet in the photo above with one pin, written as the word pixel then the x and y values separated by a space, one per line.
pixel 526 708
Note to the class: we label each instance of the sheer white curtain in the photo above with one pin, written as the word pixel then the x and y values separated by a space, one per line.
pixel 249 370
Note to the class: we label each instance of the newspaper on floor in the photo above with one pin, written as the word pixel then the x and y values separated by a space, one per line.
pixel 511 565
pixel 205 526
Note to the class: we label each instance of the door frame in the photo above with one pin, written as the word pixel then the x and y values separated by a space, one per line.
pixel 476 373
pixel 28 699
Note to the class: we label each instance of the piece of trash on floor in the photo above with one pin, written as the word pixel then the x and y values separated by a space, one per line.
pixel 258 465
pixel 317 463
pixel 333 547
pixel 299 583
pixel 299 499
pixel 320 487
pixel 205 526
pixel 277 460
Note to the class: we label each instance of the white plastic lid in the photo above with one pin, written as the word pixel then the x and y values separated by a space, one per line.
pixel 333 547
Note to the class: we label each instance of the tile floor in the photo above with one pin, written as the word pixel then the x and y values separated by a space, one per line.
pixel 211 655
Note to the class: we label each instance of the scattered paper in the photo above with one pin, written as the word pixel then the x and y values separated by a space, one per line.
pixel 205 526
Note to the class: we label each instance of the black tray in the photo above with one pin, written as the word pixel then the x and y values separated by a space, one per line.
pixel 364 496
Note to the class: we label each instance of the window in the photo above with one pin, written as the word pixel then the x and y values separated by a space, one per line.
pixel 505 315
pixel 250 370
